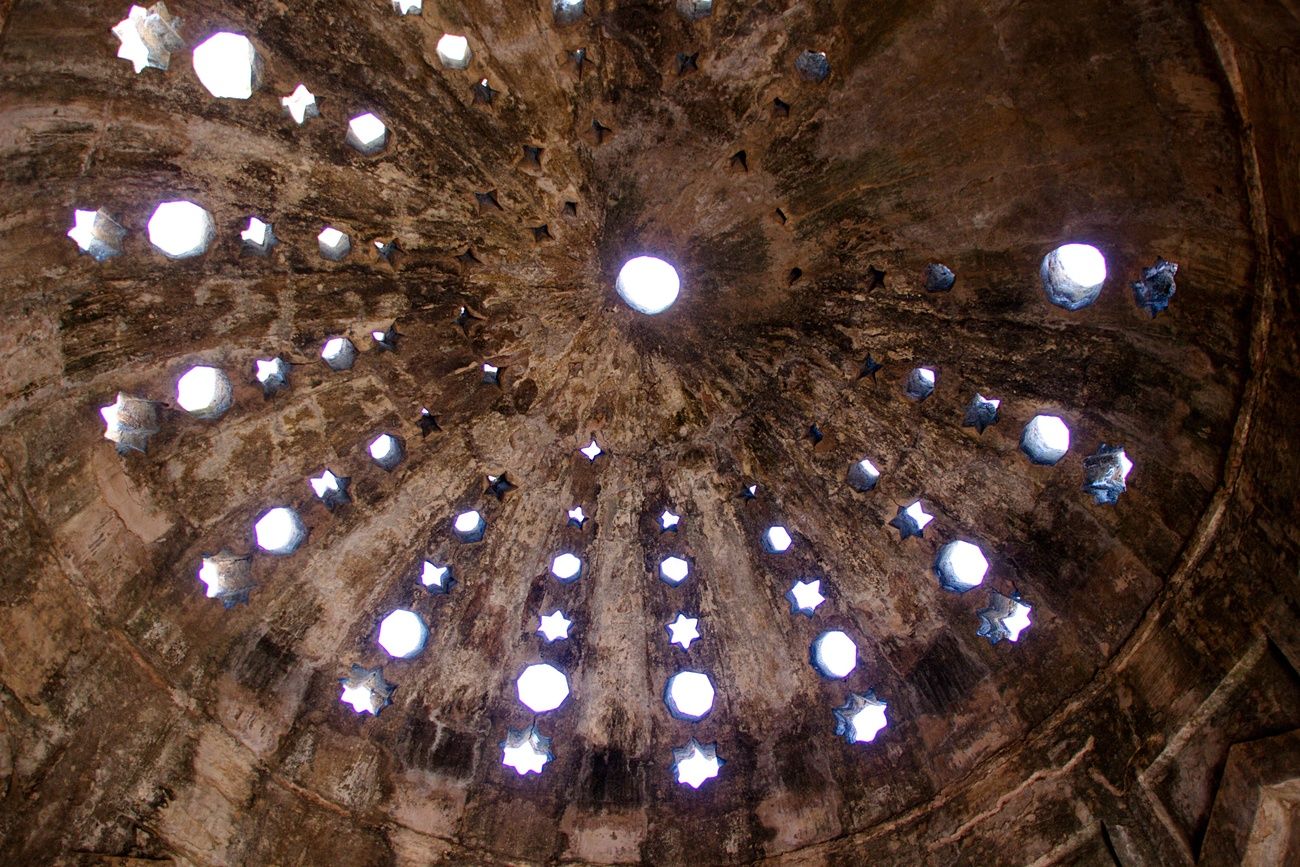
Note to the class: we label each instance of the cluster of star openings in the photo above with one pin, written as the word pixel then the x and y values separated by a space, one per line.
pixel 227 65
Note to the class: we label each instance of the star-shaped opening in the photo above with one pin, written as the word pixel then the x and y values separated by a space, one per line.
pixel 542 687
pixel 776 540
pixel 387 451
pixel 386 339
pixel 257 238
pixel 860 718
pixel 96 233
pixel 366 690
pixel 279 530
pixel 566 568
pixel 834 654
pixel 694 763
pixel 272 374
pixel 1105 474
pixel 673 570
pixel 863 476
pixel 1005 617
pixel 338 353
pixel 669 520
pixel 332 490
pixel 870 368
pixel 960 566
pixel 129 422
pixel 227 577
pixel 484 92
pixel 402 633
pixel 591 450
pixel 554 626
pixel 805 596
pixel 689 695
pixel 436 578
pixel 148 37
pixel 911 520
pixel 301 104
pixel 981 412
pixel 749 492
pixel 499 486
pixel 469 526
pixel 577 517
pixel 683 630
pixel 387 249
pixel 526 751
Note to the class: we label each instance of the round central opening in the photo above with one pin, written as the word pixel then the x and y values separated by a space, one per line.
pixel 648 285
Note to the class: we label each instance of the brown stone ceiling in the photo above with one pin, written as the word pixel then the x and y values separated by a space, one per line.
pixel 978 135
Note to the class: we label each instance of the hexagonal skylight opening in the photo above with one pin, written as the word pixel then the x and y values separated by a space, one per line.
pixel 96 233
pixel 339 353
pixel 387 451
pixel 1073 275
pixel 674 570
pixel 469 526
pixel 279 530
pixel 402 633
pixel 566 567
pixel 920 383
pixel 181 229
pixel 648 284
pixel 367 134
pixel 776 539
pixel 567 11
pixel 834 654
pixel 863 476
pixel 454 51
pixel 334 244
pixel 204 392
pixel 542 687
pixel 226 64
pixel 1045 439
pixel 960 566
pixel 689 695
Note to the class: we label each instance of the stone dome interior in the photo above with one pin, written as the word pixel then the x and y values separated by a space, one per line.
pixel 360 507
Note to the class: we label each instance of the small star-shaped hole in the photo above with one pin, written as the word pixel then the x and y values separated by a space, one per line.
pixel 860 718
pixel 1105 474
pixel 870 368
pixel 227 577
pixel 591 450
pixel 386 339
pixel 272 374
pixel 749 492
pixel 129 422
pixel 499 486
pixel 526 751
pixel 669 520
pixel 1005 617
pixel 491 374
pixel 694 763
pixel 863 476
pixel 96 234
pixel 554 626
pixel 332 490
pixel 366 690
pixel 387 250
pixel 148 37
pixel 805 596
pixel 577 517
pixel 257 238
pixel 427 422
pixel 436 578
pixel 301 105
pixel 683 631
pixel 483 92
pixel 911 520
pixel 981 412
pixel 687 63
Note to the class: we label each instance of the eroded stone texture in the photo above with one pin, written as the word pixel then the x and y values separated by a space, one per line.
pixel 140 719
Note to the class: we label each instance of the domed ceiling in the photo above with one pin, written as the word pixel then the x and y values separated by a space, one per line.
pixel 437 497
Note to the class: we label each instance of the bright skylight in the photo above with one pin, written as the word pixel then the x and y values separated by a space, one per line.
pixel 961 566
pixel 566 567
pixel 226 65
pixel 591 450
pixel 324 484
pixel 669 521
pixel 834 654
pixel 526 751
pixel 402 633
pixel 683 631
pixel 1016 622
pixel 454 51
pixel 554 626
pixel 674 569
pixel 367 133
pixel 301 104
pixel 805 596
pixel 181 229
pixel 542 687
pixel 97 234
pixel 695 763
pixel 689 695
pixel 777 539
pixel 648 285
pixel 1045 439
pixel 279 531
pixel 469 526
pixel 203 391
pixel 861 718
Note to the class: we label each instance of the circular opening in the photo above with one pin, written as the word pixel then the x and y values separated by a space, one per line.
pixel 674 570
pixel 961 566
pixel 566 567
pixel 689 695
pixel 1073 275
pixel 1045 439
pixel 225 65
pixel 402 634
pixel 181 229
pixel 453 51
pixel 648 285
pixel 279 531
pixel 834 654
pixel 204 392
pixel 542 687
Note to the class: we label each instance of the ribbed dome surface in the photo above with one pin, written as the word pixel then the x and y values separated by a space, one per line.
pixel 142 719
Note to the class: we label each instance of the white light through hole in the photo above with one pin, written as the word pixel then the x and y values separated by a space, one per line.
pixel 402 634
pixel 961 566
pixel 554 626
pixel 526 751
pixel 325 484
pixel 648 285
pixel 696 763
pixel 566 567
pixel 805 596
pixel 674 570
pixel 204 392
pixel 279 531
pixel 777 539
pixel 301 104
pixel 181 229
pixel 361 698
pixel 468 522
pixel 591 450
pixel 333 243
pixel 861 718
pixel 1016 622
pixel 683 631
pixel 383 448
pixel 1045 439
pixel 669 521
pixel 148 37
pixel 834 654
pixel 97 234
pixel 226 65
pixel 918 514
pixel 542 687
pixel 367 133
pixel 435 577
pixel 1073 275
pixel 258 233
pixel 689 695
pixel 454 51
